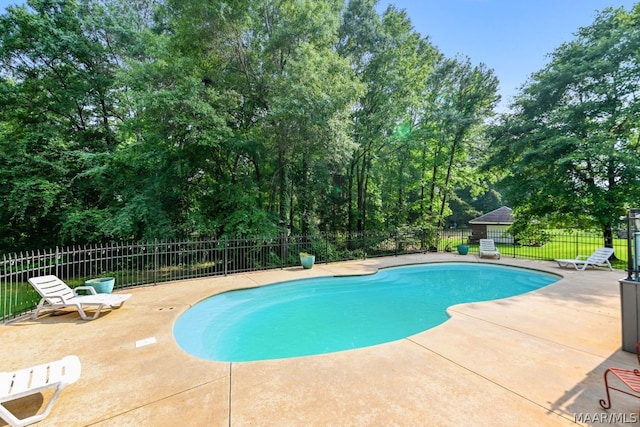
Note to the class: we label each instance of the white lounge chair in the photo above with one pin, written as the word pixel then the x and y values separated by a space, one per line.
pixel 56 294
pixel 25 382
pixel 599 258
pixel 488 248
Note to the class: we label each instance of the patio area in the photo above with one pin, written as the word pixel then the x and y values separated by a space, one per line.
pixel 534 359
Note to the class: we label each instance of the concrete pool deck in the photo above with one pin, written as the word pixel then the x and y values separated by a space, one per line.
pixel 533 359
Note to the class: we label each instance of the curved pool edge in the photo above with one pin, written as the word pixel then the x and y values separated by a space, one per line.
pixel 363 268
pixel 479 261
pixel 329 272
pixel 364 273
pixel 453 309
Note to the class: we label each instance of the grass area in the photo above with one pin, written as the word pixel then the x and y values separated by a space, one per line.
pixel 563 250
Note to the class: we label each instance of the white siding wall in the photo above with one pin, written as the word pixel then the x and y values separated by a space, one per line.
pixel 499 233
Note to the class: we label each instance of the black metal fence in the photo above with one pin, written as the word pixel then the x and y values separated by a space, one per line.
pixel 140 263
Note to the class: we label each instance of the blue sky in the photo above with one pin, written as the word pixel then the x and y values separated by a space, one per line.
pixel 513 37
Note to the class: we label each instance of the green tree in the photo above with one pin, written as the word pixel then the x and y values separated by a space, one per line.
pixel 570 147
pixel 393 61
pixel 152 119
pixel 461 97
pixel 58 112
pixel 273 109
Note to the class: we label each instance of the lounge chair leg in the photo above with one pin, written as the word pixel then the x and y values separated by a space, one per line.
pixel 17 422
pixel 84 315
pixel 38 308
pixel 606 404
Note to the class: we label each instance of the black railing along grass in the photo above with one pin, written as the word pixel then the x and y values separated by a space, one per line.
pixel 142 263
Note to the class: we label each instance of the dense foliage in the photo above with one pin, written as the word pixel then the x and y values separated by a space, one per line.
pixel 129 120
pixel 569 151
pixel 143 119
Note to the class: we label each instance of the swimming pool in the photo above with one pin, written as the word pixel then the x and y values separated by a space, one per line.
pixel 328 314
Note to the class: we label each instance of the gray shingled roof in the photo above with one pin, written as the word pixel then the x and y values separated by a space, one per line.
pixel 499 216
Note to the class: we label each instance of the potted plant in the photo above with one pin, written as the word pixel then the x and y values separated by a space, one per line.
pixel 447 244
pixel 102 285
pixel 307 260
pixel 463 249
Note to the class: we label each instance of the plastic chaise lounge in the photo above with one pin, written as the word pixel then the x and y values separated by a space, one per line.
pixel 599 258
pixel 25 382
pixel 488 248
pixel 56 295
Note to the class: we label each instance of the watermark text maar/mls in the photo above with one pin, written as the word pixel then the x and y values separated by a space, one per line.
pixel 606 418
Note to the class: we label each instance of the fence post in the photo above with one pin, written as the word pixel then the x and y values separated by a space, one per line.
pixel 156 261
pixel 283 245
pixel 226 255
pixel 397 239
pixel 55 263
pixel 364 244
pixel 326 248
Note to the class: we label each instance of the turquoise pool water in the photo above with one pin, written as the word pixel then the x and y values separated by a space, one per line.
pixel 323 315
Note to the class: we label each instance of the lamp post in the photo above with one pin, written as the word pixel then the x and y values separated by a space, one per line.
pixel 629 253
pixel 630 287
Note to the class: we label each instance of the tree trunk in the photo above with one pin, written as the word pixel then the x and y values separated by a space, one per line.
pixel 304 198
pixel 456 143
pixel 283 203
pixel 350 215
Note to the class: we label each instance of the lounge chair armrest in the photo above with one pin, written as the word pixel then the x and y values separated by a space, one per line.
pixel 582 257
pixel 72 369
pixel 91 289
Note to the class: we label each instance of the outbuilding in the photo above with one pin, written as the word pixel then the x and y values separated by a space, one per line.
pixel 492 225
